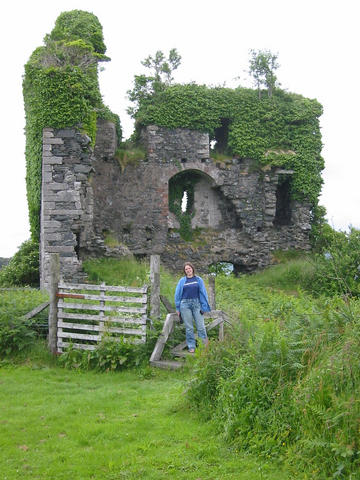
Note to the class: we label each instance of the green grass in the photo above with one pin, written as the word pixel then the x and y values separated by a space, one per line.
pixel 289 275
pixel 60 424
pixel 112 271
pixel 282 387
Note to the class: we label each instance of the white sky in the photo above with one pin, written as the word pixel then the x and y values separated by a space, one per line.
pixel 317 42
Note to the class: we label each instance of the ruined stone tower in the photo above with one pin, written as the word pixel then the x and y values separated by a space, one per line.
pixel 93 206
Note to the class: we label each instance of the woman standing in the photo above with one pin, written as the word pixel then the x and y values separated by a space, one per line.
pixel 191 301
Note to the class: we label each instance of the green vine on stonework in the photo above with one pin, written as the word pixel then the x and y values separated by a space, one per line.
pixel 61 90
pixel 184 182
pixel 280 131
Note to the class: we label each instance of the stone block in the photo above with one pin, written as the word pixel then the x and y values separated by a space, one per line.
pixel 48 205
pixel 55 141
pixel 82 168
pixel 51 224
pixel 48 133
pixel 270 211
pixel 52 160
pixel 47 177
pixel 60 249
pixel 67 212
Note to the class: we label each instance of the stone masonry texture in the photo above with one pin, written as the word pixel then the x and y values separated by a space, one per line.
pixel 93 206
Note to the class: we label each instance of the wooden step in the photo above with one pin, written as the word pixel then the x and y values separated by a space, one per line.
pixel 180 353
pixel 167 364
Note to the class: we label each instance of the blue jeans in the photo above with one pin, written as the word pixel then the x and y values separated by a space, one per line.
pixel 190 312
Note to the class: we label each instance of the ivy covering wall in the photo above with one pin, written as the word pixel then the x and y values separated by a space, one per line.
pixel 282 130
pixel 61 89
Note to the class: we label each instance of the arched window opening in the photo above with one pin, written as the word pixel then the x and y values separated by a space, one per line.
pixel 193 201
pixel 283 202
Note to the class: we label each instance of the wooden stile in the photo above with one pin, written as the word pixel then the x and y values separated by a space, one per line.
pixel 88 313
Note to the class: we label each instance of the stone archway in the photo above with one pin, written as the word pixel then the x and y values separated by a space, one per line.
pixel 193 201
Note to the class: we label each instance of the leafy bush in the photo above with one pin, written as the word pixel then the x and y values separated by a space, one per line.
pixel 109 355
pixel 337 268
pixel 15 335
pixel 78 24
pixel 23 267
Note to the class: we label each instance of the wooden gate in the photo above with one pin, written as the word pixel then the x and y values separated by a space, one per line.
pixel 88 313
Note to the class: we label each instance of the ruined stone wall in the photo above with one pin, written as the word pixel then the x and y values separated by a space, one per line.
pixel 235 205
pixel 93 206
pixel 67 202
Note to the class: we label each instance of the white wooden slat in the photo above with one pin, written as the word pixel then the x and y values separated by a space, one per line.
pixel 126 331
pixel 82 346
pixel 107 308
pixel 108 288
pixel 109 298
pixel 79 316
pixel 98 328
pixel 79 326
pixel 86 346
pixel 108 318
pixel 124 320
pixel 80 336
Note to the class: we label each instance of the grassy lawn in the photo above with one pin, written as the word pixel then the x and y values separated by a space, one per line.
pixel 61 424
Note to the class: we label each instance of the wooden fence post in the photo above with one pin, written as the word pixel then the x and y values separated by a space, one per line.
pixel 212 301
pixel 155 286
pixel 53 289
pixel 211 292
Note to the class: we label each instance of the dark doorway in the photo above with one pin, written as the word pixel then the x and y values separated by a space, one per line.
pixel 283 203
pixel 221 136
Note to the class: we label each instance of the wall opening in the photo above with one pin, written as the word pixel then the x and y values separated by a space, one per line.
pixel 181 200
pixel 283 202
pixel 194 202
pixel 229 216
pixel 184 201
pixel 220 144
pixel 148 234
pixel 221 268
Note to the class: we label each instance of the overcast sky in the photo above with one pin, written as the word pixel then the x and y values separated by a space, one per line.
pixel 317 43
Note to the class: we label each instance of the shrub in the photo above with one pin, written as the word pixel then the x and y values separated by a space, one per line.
pixel 109 355
pixel 337 269
pixel 15 335
pixel 23 267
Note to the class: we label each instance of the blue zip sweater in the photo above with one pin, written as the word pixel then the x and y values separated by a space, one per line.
pixel 204 301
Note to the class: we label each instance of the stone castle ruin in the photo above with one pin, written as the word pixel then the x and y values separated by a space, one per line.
pixel 94 206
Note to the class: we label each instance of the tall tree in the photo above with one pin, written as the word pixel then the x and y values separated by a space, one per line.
pixel 262 67
pixel 162 68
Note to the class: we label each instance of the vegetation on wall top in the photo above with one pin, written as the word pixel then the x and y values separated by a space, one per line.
pixel 60 90
pixel 278 128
